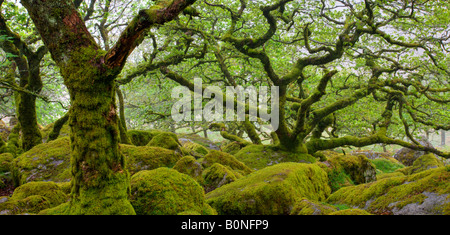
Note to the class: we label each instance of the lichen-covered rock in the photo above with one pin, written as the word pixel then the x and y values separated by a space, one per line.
pixel 426 192
pixel 407 156
pixel 189 166
pixel 225 159
pixel 425 162
pixel 165 191
pixel 33 197
pixel 218 175
pixel 310 207
pixel 44 162
pixel 274 190
pixel 147 158
pixel 260 156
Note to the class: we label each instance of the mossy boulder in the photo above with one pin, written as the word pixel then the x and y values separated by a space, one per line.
pixel 232 147
pixel 259 156
pixel 189 166
pixel 44 162
pixel 218 175
pixel 194 138
pixel 141 137
pixel 196 150
pixel 359 168
pixel 425 162
pixel 33 197
pixel 407 156
pixel 165 140
pixel 215 156
pixel 165 191
pixel 274 190
pixel 147 158
pixel 426 192
pixel 5 161
pixel 309 207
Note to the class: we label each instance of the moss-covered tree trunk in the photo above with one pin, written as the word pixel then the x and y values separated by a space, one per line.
pixel 27 63
pixel 100 182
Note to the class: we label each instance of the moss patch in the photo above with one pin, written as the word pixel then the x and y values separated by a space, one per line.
pixel 271 191
pixel 310 207
pixel 260 156
pixel 165 191
pixel 350 212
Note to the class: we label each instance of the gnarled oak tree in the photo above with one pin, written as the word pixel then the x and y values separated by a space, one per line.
pixel 99 180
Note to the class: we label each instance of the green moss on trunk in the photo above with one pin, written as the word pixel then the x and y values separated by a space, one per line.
pixel 100 182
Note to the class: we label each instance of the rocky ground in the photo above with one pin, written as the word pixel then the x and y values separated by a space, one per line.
pixel 190 175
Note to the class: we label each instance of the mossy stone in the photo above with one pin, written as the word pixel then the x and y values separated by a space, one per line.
pixel 5 161
pixel 48 161
pixel 141 137
pixel 359 168
pixel 147 158
pixel 33 197
pixel 196 150
pixel 165 191
pixel 165 140
pixel 215 156
pixel 408 194
pixel 260 156
pixel 189 166
pixel 232 148
pixel 273 190
pixel 425 162
pixel 218 175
